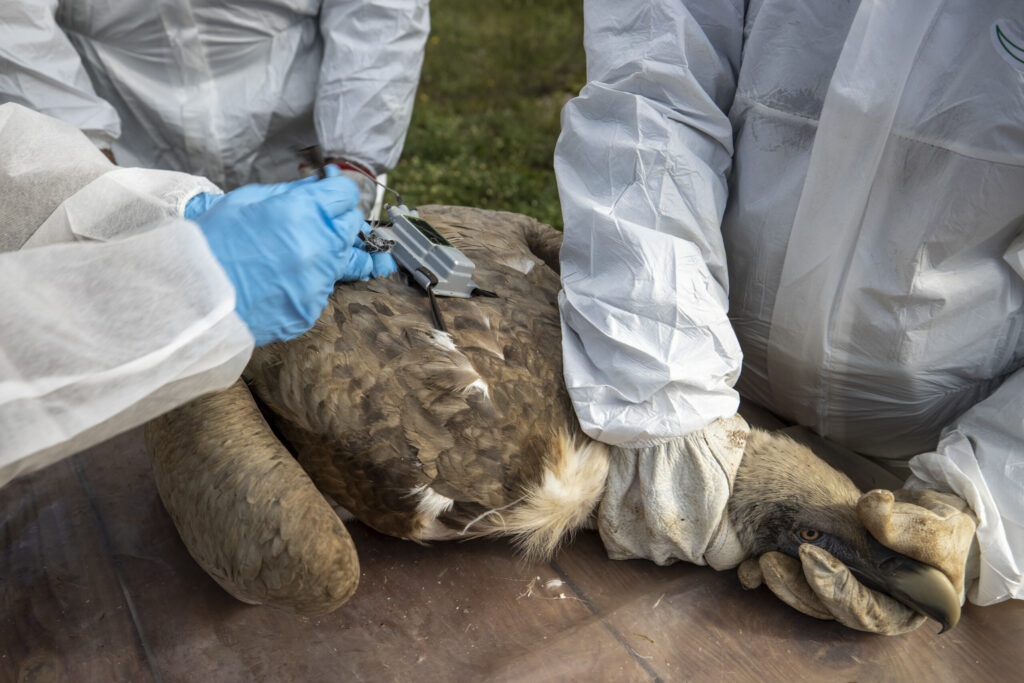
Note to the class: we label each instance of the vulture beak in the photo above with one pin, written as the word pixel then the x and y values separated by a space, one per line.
pixel 917 585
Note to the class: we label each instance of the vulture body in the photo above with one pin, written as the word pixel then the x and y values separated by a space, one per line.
pixel 430 435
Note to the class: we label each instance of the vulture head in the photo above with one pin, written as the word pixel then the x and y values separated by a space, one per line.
pixel 784 496
pixel 431 435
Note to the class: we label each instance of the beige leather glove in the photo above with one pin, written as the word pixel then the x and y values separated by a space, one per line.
pixel 668 502
pixel 929 526
pixel 934 528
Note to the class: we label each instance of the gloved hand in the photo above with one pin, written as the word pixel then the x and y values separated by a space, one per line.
pixel 382 264
pixel 821 586
pixel 648 490
pixel 284 246
pixel 931 527
pixel 928 526
pixel 204 201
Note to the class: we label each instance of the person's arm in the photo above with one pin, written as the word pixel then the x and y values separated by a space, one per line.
pixel 980 458
pixel 40 69
pixel 99 336
pixel 649 355
pixel 642 163
pixel 373 52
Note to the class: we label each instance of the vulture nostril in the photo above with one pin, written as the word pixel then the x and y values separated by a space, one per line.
pixel 889 564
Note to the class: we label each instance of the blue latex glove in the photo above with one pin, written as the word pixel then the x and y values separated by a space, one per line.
pixel 284 249
pixel 383 264
pixel 205 201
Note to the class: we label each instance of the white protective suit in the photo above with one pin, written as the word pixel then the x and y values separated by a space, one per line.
pixel 861 167
pixel 226 90
pixel 114 309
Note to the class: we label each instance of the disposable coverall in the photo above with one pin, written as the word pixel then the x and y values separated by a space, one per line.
pixel 835 189
pixel 155 324
pixel 226 90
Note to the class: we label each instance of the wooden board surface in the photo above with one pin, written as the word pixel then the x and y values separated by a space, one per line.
pixel 96 586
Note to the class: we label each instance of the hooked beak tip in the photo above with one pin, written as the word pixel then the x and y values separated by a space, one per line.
pixel 919 586
pixel 927 590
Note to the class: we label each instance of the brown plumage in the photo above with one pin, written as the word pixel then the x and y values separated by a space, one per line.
pixel 420 433
pixel 426 435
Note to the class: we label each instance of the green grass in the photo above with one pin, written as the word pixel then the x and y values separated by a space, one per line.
pixel 495 77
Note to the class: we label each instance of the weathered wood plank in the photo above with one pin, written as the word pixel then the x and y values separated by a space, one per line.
pixel 694 623
pixel 63 615
pixel 455 611
pixel 449 612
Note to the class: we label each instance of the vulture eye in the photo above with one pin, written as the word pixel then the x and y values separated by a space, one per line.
pixel 810 535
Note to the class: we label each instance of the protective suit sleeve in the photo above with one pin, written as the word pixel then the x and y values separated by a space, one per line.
pixel 373 52
pixel 981 459
pixel 41 70
pixel 641 163
pixel 116 311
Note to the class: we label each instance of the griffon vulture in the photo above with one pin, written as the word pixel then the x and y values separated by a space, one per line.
pixel 429 435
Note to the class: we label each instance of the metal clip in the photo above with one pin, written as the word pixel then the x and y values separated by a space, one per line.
pixel 376 244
